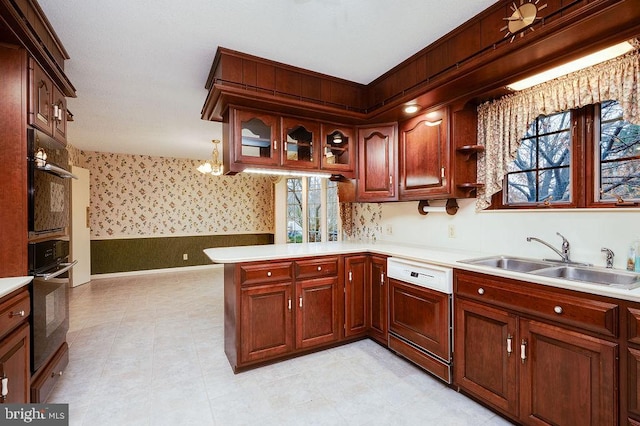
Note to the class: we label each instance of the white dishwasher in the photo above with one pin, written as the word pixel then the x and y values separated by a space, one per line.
pixel 420 314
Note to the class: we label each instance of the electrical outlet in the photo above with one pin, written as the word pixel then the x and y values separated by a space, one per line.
pixel 451 231
pixel 389 229
pixel 185 256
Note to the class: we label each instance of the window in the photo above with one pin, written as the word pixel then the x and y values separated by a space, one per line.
pixel 541 170
pixel 589 157
pixel 618 162
pixel 312 210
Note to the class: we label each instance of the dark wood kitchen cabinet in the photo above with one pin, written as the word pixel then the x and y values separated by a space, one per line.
pixel 317 312
pixel 378 296
pixel 276 309
pixel 540 356
pixel 15 355
pixel 631 380
pixel 356 307
pixel 300 143
pixel 254 138
pixel 338 149
pixel 47 105
pixel 377 164
pixel 424 157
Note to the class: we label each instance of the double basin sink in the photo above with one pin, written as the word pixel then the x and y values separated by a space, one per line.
pixel 566 271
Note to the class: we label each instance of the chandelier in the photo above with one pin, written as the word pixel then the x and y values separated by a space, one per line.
pixel 215 166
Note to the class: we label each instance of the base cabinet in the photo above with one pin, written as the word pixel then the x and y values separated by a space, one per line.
pixel 14 367
pixel 275 309
pixel 379 295
pixel 534 371
pixel 266 322
pixel 356 308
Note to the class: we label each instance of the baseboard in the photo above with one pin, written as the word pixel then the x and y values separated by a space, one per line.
pixel 154 271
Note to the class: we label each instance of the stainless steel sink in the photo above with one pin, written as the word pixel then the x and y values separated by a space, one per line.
pixel 510 263
pixel 573 272
pixel 618 279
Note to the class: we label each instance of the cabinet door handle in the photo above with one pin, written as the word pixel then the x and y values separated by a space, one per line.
pixel 55 111
pixel 275 145
pixel 509 345
pixel 5 387
pixel 319 268
pixel 350 276
pixel 300 302
pixel 17 314
pixel 268 273
pixel 442 172
pixel 558 309
pixel 289 303
pixel 390 181
pixel 523 350
pixel 481 290
pixel 382 278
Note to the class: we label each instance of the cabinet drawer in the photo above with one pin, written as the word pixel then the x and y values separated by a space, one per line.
pixel 258 273
pixel 13 311
pixel 633 325
pixel 313 268
pixel 596 316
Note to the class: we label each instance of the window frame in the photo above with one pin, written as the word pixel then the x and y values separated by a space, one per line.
pixel 584 162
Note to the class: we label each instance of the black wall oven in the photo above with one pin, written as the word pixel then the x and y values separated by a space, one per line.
pixel 49 264
pixel 49 189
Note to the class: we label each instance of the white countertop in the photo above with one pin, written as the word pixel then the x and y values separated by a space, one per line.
pixel 433 255
pixel 7 285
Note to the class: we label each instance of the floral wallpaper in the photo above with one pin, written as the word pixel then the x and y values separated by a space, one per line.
pixel 365 221
pixel 137 195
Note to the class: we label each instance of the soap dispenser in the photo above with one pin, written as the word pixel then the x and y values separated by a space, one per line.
pixel 633 259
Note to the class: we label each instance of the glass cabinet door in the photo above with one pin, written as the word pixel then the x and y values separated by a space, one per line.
pixel 300 143
pixel 256 138
pixel 337 149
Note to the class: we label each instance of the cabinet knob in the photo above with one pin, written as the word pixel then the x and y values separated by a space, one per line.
pixel 17 314
pixel 268 273
pixel 557 310
pixel 54 374
pixel 319 268
pixel 481 290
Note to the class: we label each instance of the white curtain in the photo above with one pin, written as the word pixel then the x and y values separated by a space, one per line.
pixel 502 123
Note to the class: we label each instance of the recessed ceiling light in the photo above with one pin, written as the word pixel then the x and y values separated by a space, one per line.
pixel 410 109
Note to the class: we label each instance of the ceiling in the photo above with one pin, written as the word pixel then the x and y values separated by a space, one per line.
pixel 139 67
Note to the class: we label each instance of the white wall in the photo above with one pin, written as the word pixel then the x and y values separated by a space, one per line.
pixel 505 232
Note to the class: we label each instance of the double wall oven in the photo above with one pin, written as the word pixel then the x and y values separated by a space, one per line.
pixel 49 263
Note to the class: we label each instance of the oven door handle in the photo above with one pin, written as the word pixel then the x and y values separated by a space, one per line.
pixel 67 266
pixel 59 171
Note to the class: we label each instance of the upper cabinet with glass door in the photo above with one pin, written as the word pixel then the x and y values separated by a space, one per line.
pixel 255 138
pixel 338 149
pixel 300 144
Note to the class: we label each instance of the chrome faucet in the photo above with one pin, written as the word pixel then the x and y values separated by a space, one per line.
pixel 564 254
pixel 610 255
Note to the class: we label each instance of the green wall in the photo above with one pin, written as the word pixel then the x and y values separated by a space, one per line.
pixel 139 254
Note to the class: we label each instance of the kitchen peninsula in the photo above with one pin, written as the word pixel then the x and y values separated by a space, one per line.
pixel 289 300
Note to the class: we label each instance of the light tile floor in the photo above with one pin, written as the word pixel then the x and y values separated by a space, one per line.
pixel 148 350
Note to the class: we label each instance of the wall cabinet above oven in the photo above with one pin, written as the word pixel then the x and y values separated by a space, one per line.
pixel 47 104
pixel 258 139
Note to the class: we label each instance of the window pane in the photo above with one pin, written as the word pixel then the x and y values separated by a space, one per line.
pixel 526 157
pixel 554 123
pixel 553 185
pixel 314 206
pixel 619 165
pixel 554 150
pixel 332 211
pixel 294 210
pixel 521 187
